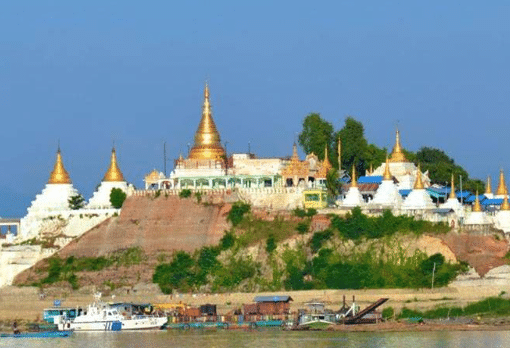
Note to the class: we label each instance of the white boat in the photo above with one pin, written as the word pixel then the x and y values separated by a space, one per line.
pixel 100 316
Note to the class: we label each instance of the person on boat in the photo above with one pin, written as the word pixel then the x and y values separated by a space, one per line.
pixel 15 328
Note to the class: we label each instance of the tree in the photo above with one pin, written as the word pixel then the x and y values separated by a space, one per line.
pixel 117 197
pixel 375 156
pixel 332 183
pixel 76 202
pixel 317 134
pixel 271 244
pixel 440 165
pixel 354 145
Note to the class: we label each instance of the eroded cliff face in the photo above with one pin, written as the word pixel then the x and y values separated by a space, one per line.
pixel 161 224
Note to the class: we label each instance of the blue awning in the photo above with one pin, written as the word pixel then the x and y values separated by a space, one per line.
pixel 492 201
pixel 376 179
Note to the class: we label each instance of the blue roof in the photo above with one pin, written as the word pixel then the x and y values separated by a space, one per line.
pixel 471 199
pixel 493 201
pixel 463 194
pixel 404 193
pixel 376 179
pixel 439 190
pixel 277 298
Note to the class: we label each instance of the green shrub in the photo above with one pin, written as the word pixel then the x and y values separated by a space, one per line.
pixel 228 240
pixel 117 197
pixel 299 212
pixel 236 213
pixel 302 227
pixel 185 193
pixel 319 238
pixel 271 244
pixel 388 313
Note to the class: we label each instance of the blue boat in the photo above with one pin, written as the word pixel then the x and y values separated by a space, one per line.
pixel 44 334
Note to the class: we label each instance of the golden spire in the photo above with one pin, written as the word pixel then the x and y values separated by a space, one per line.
pixel 387 174
pixel 488 187
pixel 418 185
pixel 477 207
pixel 502 189
pixel 207 139
pixel 59 175
pixel 505 205
pixel 354 183
pixel 325 166
pixel 452 191
pixel 295 155
pixel 113 173
pixel 326 162
pixel 397 155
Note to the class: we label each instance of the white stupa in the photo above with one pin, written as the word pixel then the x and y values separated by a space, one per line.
pixel 387 194
pixel 502 190
pixel 353 198
pixel 453 202
pixel 502 219
pixel 401 168
pixel 112 179
pixel 418 198
pixel 488 189
pixel 53 199
pixel 477 217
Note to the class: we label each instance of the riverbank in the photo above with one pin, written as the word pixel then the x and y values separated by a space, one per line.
pixel 26 303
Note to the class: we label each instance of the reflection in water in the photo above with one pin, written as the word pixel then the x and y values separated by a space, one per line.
pixel 269 338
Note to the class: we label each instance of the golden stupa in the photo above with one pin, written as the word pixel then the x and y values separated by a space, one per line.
pixel 477 207
pixel 59 175
pixel 502 189
pixel 113 173
pixel 397 155
pixel 488 187
pixel 452 191
pixel 505 205
pixel 326 165
pixel 418 185
pixel 354 183
pixel 387 174
pixel 207 139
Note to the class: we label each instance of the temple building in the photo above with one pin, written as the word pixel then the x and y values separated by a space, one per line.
pixel 418 201
pixel 403 170
pixel 502 218
pixel 353 197
pixel 112 179
pixel 53 198
pixel 387 195
pixel 452 202
pixel 477 219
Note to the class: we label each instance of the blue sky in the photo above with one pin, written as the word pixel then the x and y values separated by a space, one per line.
pixel 95 72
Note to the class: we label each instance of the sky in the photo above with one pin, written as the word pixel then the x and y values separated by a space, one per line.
pixel 88 74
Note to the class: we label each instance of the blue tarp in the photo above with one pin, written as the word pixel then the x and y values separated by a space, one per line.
pixel 404 193
pixel 284 298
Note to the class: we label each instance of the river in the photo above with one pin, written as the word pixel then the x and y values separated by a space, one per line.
pixel 269 338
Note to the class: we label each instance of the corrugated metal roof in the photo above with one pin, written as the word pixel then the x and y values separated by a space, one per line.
pixel 471 199
pixel 278 298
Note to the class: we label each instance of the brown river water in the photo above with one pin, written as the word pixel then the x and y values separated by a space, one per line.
pixel 269 338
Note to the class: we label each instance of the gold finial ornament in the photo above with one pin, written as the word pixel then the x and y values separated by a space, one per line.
pixel 207 139
pixel 488 187
pixel 418 185
pixel 113 173
pixel 59 175
pixel 397 155
pixel 477 207
pixel 387 173
pixel 502 189
pixel 452 191
pixel 354 183
pixel 505 205
pixel 295 155
pixel 339 154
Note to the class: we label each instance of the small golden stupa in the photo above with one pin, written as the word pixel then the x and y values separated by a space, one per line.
pixel 488 187
pixel 397 155
pixel 452 191
pixel 505 205
pixel 59 175
pixel 418 185
pixel 326 165
pixel 207 139
pixel 502 189
pixel 113 173
pixel 387 174
pixel 477 207
pixel 354 183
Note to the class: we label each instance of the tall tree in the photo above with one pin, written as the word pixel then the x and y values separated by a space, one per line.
pixel 440 165
pixel 354 145
pixel 316 135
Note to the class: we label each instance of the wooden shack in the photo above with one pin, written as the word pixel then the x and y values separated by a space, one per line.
pixel 268 305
